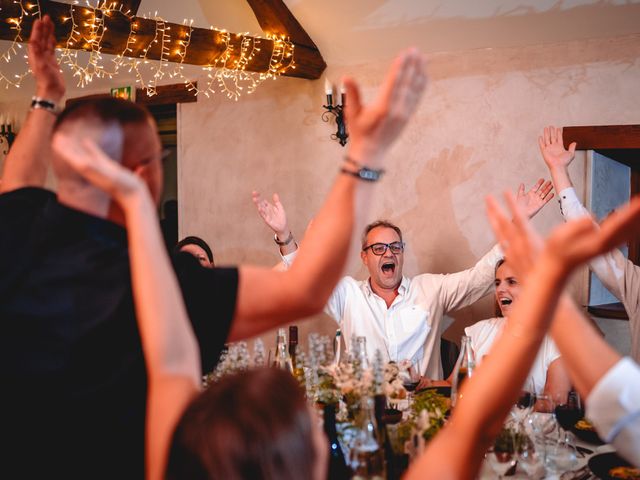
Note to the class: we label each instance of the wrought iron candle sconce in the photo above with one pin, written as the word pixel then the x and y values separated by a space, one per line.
pixel 7 136
pixel 337 111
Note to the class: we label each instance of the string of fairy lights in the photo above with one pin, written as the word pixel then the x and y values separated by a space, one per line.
pixel 226 74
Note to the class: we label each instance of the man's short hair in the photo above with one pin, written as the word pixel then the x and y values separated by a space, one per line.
pixel 382 224
pixel 104 108
pixel 192 240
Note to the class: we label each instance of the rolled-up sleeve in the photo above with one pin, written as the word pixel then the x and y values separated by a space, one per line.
pixel 614 408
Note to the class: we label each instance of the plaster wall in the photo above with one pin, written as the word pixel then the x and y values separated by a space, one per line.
pixel 474 133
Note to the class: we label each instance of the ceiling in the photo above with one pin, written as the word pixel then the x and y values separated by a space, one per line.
pixel 360 31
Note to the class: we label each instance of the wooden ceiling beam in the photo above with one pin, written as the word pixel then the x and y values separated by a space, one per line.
pixel 274 16
pixel 205 47
pixel 131 5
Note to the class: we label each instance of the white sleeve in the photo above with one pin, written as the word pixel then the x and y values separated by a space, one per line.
pixel 336 303
pixel 288 259
pixel 460 289
pixel 614 408
pixel 619 275
pixel 609 268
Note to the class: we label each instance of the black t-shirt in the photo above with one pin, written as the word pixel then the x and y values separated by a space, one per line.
pixel 71 364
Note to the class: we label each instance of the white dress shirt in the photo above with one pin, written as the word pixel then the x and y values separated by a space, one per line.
pixel 485 332
pixel 614 408
pixel 620 276
pixel 411 327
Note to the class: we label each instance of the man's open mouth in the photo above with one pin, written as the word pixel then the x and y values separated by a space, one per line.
pixel 388 267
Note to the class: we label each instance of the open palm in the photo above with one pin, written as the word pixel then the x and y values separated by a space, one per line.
pixel 532 201
pixel 552 148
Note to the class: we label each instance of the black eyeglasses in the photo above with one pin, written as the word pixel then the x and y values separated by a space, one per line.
pixel 381 248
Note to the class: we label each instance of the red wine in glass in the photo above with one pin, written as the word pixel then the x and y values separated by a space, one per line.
pixel 410 386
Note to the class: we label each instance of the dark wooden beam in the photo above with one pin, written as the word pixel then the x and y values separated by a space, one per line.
pixel 166 94
pixel 206 45
pixel 603 137
pixel 131 5
pixel 274 17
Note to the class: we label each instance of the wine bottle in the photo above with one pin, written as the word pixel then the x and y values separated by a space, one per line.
pixel 368 461
pixel 465 365
pixel 361 343
pixel 283 360
pixel 293 343
pixel 337 465
pixel 380 404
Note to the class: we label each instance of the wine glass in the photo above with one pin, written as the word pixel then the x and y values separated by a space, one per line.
pixel 411 377
pixel 561 455
pixel 501 456
pixel 530 456
pixel 523 407
pixel 568 409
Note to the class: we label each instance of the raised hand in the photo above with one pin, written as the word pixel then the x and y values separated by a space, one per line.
pixel 373 128
pixel 90 162
pixel 569 244
pixel 552 148
pixel 42 60
pixel 532 201
pixel 273 214
pixel 519 241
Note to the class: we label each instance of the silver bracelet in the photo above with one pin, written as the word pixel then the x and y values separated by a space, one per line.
pixel 283 243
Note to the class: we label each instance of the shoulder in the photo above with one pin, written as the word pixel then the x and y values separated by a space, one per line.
pixel 25 198
pixel 483 328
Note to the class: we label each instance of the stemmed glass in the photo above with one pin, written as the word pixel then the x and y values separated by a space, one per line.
pixel 530 456
pixel 411 378
pixel 522 407
pixel 568 409
pixel 501 456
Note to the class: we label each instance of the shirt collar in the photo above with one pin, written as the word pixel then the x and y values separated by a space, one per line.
pixel 402 289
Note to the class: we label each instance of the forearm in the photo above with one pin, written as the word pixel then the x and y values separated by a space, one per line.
pixel 267 299
pixel 29 157
pixel 168 341
pixel 585 354
pixel 560 177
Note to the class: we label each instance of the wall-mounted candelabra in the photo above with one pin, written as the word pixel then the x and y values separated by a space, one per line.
pixel 7 136
pixel 337 111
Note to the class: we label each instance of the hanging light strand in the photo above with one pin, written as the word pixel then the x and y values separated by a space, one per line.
pixel 26 10
pixel 227 73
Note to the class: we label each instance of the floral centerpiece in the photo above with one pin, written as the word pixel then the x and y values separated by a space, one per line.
pixel 427 415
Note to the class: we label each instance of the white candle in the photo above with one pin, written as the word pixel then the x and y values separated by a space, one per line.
pixel 328 88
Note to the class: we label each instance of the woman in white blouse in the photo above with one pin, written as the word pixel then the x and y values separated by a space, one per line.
pixel 547 375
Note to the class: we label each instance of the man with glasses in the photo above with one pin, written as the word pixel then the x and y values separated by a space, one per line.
pixel 400 316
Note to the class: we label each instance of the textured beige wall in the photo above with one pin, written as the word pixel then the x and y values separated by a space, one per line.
pixel 474 133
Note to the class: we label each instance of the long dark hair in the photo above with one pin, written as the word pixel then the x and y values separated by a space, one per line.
pixel 251 425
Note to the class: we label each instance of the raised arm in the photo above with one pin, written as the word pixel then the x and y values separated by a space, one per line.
pixel 268 298
pixel 27 162
pixel 275 217
pixel 620 276
pixel 483 407
pixel 556 157
pixel 170 348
